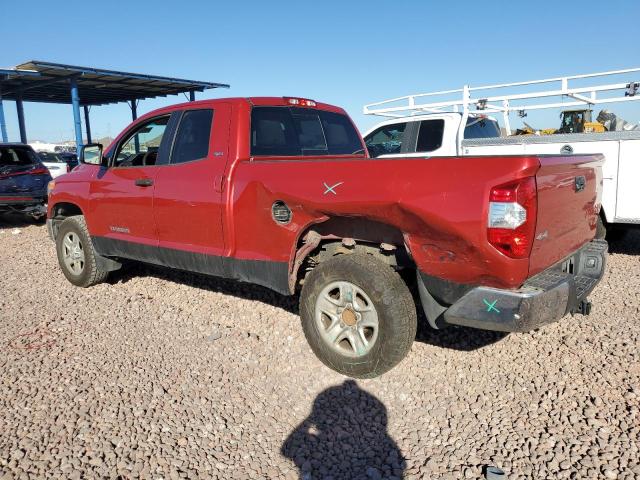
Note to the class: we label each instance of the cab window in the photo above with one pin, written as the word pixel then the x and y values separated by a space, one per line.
pixel 386 140
pixel 192 139
pixel 430 135
pixel 140 148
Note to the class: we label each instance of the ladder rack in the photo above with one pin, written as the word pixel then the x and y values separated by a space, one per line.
pixel 472 100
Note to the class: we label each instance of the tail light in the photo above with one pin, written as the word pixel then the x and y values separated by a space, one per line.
pixel 300 102
pixel 512 217
pixel 33 171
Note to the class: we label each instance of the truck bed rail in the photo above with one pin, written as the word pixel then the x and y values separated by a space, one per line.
pixel 556 138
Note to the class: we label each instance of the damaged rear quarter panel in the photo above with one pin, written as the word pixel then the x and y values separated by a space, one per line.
pixel 440 205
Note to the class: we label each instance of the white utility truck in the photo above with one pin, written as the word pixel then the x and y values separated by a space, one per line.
pixel 461 126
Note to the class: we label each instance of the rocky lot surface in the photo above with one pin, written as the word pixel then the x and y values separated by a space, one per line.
pixel 161 374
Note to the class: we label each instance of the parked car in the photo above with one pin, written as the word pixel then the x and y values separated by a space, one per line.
pixel 55 163
pixel 281 192
pixel 70 158
pixel 23 180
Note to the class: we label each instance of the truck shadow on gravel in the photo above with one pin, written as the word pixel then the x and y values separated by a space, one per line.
pixel 628 245
pixel 241 290
pixel 456 338
pixel 345 436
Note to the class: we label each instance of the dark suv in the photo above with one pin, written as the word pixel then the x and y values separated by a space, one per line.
pixel 23 180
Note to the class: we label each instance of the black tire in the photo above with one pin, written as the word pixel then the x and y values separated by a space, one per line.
pixel 90 273
pixel 394 305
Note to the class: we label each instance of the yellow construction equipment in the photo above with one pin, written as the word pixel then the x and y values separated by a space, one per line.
pixel 578 121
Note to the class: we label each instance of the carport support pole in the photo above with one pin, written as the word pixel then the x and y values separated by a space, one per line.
pixel 77 122
pixel 87 124
pixel 20 110
pixel 3 124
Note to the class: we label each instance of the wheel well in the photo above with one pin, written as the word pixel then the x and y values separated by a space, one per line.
pixel 344 236
pixel 64 210
pixel 61 211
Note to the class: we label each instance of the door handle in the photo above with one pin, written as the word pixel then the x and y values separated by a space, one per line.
pixel 144 182
pixel 218 183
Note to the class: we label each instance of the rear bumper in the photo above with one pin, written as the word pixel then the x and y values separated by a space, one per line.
pixel 543 299
pixel 23 203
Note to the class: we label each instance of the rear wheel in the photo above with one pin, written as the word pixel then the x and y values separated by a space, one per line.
pixel 357 315
pixel 76 255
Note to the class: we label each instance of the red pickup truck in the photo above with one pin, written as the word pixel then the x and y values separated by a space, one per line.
pixel 281 192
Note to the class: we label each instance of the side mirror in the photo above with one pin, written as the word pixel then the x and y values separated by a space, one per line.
pixel 91 154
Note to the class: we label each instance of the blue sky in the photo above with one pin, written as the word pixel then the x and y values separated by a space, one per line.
pixel 348 53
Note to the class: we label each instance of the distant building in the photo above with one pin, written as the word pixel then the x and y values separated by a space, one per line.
pixel 39 146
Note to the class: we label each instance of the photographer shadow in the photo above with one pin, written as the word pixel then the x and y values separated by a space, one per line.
pixel 345 436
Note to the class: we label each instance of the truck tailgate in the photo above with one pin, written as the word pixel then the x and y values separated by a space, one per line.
pixel 569 197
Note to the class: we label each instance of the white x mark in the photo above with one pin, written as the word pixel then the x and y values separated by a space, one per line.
pixel 331 188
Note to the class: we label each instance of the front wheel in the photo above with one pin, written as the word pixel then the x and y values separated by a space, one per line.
pixel 76 255
pixel 358 315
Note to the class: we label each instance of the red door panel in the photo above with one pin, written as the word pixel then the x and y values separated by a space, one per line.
pixel 121 209
pixel 188 205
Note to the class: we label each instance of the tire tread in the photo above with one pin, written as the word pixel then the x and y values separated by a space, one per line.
pixel 397 302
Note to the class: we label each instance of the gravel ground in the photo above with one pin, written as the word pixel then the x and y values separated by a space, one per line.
pixel 161 374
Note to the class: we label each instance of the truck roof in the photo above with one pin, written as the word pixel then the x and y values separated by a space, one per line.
pixel 247 101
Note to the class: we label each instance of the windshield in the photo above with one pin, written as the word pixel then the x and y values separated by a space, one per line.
pixel 50 157
pixel 481 127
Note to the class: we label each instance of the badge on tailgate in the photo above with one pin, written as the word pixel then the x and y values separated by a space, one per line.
pixel 580 182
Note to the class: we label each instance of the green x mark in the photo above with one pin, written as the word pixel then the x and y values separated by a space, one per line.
pixel 491 306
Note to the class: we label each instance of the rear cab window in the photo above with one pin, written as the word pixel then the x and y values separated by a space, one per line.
pixel 297 131
pixel 17 156
pixel 481 127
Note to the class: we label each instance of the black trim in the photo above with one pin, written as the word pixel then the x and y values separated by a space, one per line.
pixel 410 137
pixel 446 292
pixel 166 144
pixel 273 275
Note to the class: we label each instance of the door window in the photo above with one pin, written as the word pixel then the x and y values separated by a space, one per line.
pixel 430 135
pixel 192 139
pixel 386 140
pixel 140 148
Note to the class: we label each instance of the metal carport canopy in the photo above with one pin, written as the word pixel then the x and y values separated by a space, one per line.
pixel 47 82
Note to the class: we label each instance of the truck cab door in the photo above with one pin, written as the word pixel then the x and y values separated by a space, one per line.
pixel 188 199
pixel 121 193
